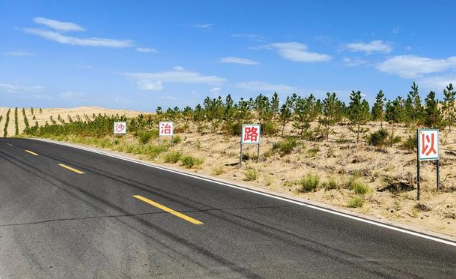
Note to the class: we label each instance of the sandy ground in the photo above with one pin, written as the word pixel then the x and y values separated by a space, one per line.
pixel 45 115
pixel 338 159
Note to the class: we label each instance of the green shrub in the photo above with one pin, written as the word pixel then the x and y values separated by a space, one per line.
pixel 378 138
pixel 269 128
pixel 173 157
pixel 309 183
pixel 331 184
pixel 232 128
pixel 313 151
pixel 190 162
pixel 145 136
pixel 251 175
pixel 285 146
pixel 218 171
pixel 357 186
pixel 176 139
pixel 410 144
pixel 355 202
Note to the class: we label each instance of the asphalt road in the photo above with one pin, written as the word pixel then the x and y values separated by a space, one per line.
pixel 69 213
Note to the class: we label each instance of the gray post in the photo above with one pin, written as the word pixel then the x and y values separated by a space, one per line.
pixel 240 156
pixel 258 156
pixel 417 168
pixel 438 174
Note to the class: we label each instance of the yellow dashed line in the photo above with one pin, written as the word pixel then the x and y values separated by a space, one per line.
pixel 169 210
pixel 31 152
pixel 71 169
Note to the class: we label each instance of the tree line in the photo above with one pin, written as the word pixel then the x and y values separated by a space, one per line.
pixel 226 115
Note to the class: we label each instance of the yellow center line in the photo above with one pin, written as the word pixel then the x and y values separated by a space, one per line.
pixel 71 169
pixel 31 152
pixel 169 210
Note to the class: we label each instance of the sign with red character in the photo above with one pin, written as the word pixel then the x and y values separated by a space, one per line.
pixel 250 134
pixel 428 144
pixel 120 128
pixel 166 128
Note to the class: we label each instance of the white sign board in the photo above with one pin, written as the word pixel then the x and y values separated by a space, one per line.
pixel 120 128
pixel 166 128
pixel 428 144
pixel 250 134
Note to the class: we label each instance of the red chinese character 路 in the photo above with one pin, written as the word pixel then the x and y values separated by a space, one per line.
pixel 428 144
pixel 251 134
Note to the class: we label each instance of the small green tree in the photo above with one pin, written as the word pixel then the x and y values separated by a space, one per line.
pixel 332 111
pixel 305 112
pixel 432 115
pixel 395 113
pixel 285 114
pixel 413 105
pixel 358 111
pixel 378 111
pixel 448 106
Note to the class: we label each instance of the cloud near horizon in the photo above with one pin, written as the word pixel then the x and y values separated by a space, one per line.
pixel 411 66
pixel 154 81
pixel 297 52
pixel 263 86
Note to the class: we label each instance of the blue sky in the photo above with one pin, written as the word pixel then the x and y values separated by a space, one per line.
pixel 144 54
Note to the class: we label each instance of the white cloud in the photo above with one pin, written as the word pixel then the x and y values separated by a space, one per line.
pixel 17 88
pixel 145 84
pixel 251 37
pixel 146 50
pixel 352 62
pixel 237 60
pixel 177 76
pixel 63 39
pixel 411 66
pixel 169 98
pixel 18 53
pixel 204 26
pixel 297 52
pixel 58 25
pixel 69 96
pixel 368 48
pixel 178 68
pixel 437 83
pixel 215 90
pixel 263 86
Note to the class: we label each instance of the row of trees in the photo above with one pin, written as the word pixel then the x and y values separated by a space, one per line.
pixel 218 114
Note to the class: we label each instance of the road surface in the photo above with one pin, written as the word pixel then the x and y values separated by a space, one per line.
pixel 70 213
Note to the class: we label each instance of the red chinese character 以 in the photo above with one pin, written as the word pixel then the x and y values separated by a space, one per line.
pixel 428 144
pixel 251 134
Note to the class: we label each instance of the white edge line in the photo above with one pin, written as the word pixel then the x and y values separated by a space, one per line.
pixel 417 234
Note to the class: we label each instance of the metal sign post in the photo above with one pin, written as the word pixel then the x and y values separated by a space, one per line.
pixel 427 150
pixel 165 128
pixel 251 134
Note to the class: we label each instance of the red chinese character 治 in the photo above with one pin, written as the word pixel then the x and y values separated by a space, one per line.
pixel 251 134
pixel 428 144
pixel 165 129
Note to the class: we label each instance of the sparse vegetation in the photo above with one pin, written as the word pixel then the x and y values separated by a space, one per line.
pixel 190 161
pixel 250 174
pixel 356 201
pixel 173 157
pixel 285 146
pixel 5 129
pixel 309 183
